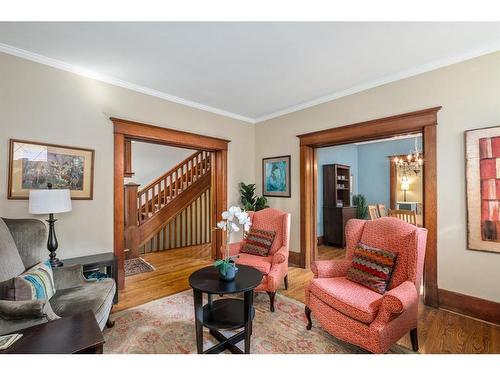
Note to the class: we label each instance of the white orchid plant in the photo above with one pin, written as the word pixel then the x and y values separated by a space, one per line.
pixel 231 221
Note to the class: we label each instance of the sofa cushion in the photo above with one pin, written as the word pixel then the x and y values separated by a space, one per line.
pixel 348 297
pixel 91 295
pixel 258 242
pixel 11 264
pixel 263 264
pixel 372 267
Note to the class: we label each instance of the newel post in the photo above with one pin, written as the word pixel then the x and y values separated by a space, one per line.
pixel 131 220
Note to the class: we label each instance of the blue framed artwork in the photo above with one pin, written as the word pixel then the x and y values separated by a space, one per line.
pixel 276 177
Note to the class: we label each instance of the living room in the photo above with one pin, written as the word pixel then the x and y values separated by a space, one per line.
pixel 165 187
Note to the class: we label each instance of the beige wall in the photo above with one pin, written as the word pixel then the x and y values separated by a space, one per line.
pixel 45 104
pixel 150 161
pixel 470 95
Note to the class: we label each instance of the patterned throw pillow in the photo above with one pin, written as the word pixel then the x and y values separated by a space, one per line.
pixel 35 283
pixel 258 242
pixel 372 268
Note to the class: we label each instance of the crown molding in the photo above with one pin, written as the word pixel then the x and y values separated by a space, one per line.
pixel 11 50
pixel 384 80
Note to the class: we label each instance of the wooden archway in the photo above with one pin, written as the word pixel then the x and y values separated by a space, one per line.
pixel 131 130
pixel 425 122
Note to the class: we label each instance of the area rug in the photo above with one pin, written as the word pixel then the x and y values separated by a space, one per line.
pixel 167 326
pixel 135 266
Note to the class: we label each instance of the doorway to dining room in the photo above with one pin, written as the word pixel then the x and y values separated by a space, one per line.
pixel 413 124
pixel 367 180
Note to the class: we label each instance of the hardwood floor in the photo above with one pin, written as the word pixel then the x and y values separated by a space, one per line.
pixel 439 331
pixel 172 269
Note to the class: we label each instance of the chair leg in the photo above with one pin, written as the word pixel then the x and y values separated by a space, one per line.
pixel 307 311
pixel 286 281
pixel 271 297
pixel 414 339
pixel 110 323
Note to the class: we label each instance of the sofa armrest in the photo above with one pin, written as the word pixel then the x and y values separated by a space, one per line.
pixel 68 276
pixel 234 249
pixel 14 310
pixel 330 268
pixel 281 255
pixel 397 301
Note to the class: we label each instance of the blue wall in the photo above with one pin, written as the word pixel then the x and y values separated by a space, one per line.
pixel 373 167
pixel 345 154
pixel 369 165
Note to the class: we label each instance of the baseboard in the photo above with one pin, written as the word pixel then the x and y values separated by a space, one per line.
pixel 468 305
pixel 321 240
pixel 294 259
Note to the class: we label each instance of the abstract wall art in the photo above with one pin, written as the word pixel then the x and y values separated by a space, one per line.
pixel 482 158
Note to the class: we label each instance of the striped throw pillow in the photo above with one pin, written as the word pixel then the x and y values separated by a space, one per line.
pixel 372 268
pixel 35 283
pixel 258 242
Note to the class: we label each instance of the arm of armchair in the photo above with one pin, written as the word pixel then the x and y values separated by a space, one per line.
pixel 234 249
pixel 68 276
pixel 397 300
pixel 281 255
pixel 330 268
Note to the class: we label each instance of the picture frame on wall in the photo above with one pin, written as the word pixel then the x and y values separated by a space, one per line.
pixel 482 169
pixel 32 165
pixel 276 177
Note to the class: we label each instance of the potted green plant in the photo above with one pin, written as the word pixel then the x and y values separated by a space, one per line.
pixel 249 200
pixel 359 201
pixel 231 221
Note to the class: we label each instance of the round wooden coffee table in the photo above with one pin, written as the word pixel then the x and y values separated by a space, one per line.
pixel 224 313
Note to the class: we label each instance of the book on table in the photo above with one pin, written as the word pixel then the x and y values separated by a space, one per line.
pixel 7 340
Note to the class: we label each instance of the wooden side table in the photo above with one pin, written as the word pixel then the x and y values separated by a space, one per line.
pixel 92 263
pixel 75 334
pixel 226 313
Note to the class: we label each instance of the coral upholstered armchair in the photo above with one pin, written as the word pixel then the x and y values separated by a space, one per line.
pixel 275 265
pixel 356 314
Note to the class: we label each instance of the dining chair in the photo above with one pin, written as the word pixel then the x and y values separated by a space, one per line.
pixel 382 211
pixel 373 212
pixel 405 215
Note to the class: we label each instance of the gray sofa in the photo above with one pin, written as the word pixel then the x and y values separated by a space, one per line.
pixel 22 245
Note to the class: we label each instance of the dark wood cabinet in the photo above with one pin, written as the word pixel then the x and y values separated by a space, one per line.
pixel 337 209
pixel 335 219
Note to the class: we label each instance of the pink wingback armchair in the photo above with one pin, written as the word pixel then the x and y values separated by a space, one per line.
pixel 358 315
pixel 275 265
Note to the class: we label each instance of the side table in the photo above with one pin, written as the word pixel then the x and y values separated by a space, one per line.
pixel 225 313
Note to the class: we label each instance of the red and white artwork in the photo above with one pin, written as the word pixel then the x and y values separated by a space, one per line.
pixel 482 147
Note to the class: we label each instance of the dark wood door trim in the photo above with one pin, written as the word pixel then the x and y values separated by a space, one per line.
pixel 425 122
pixel 132 130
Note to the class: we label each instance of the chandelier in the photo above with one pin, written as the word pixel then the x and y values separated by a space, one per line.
pixel 412 162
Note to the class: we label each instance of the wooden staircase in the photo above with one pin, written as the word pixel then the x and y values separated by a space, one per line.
pixel 150 210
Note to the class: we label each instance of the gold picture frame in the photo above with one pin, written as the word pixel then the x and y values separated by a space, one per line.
pixel 32 165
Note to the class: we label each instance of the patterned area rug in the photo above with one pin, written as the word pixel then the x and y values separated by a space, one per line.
pixel 167 326
pixel 137 265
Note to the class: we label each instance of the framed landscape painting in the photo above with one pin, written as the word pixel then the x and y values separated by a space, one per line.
pixel 482 164
pixel 276 177
pixel 33 165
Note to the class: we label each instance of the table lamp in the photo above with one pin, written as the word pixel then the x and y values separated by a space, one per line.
pixel 50 201
pixel 405 186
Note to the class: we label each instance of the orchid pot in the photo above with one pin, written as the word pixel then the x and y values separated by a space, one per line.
pixel 231 221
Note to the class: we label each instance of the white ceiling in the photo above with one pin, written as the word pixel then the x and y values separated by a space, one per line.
pixel 254 70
